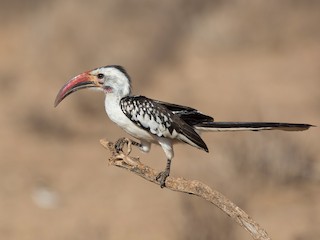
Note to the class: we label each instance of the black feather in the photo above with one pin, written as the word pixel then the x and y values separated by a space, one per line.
pixel 257 125
pixel 157 110
pixel 190 115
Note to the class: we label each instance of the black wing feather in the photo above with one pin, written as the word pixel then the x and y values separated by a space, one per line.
pixel 162 114
pixel 189 115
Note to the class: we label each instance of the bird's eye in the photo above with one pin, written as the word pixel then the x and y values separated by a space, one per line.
pixel 100 75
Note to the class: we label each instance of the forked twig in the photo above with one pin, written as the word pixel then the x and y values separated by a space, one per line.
pixel 194 187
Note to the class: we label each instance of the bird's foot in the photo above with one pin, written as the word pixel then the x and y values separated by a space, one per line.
pixel 121 155
pixel 121 142
pixel 161 178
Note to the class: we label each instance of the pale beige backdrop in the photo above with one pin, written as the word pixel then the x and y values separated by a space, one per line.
pixel 236 60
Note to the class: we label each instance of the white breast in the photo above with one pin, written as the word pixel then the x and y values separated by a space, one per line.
pixel 112 107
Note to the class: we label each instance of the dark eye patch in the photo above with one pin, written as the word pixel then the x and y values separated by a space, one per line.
pixel 100 75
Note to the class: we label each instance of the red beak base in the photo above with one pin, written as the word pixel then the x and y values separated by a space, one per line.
pixel 82 81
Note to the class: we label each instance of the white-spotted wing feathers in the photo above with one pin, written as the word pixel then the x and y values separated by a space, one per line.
pixel 158 120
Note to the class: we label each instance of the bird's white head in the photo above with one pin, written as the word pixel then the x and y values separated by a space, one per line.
pixel 112 79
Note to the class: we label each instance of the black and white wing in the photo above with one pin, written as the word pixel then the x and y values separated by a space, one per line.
pixel 160 120
pixel 189 115
pixel 204 122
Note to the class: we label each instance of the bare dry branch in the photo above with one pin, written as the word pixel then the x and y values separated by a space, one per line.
pixel 194 187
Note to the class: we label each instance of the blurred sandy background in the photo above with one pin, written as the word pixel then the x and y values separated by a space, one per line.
pixel 238 61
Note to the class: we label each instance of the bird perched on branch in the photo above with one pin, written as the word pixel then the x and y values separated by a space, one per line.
pixel 152 121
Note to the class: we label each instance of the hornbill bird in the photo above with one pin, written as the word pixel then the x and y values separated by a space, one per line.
pixel 152 121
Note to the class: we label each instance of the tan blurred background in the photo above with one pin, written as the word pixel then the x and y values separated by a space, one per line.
pixel 236 60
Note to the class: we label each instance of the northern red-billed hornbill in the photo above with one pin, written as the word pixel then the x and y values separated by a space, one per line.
pixel 153 121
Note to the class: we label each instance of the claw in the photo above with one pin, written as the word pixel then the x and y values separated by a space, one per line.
pixel 120 144
pixel 161 178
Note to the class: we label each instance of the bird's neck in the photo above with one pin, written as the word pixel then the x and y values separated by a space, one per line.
pixel 113 108
pixel 112 99
pixel 117 89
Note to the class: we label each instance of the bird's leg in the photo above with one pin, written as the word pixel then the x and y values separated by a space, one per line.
pixel 122 141
pixel 162 176
pixel 134 143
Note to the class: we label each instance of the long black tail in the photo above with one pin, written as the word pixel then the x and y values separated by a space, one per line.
pixel 250 126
